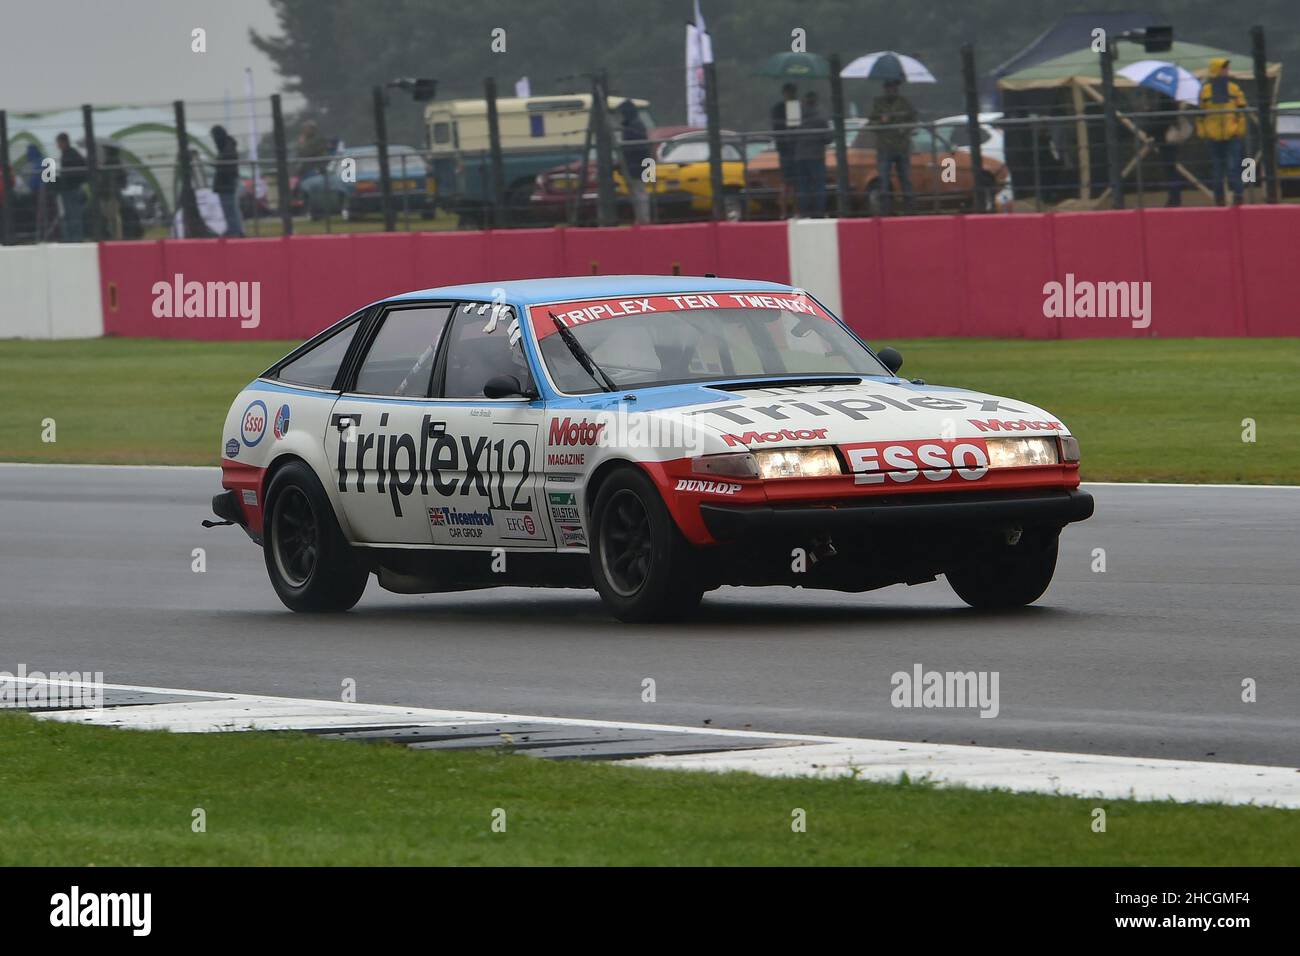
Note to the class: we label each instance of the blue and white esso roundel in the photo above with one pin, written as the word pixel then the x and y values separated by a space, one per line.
pixel 253 425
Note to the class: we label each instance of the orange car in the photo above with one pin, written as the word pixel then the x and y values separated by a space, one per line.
pixel 931 154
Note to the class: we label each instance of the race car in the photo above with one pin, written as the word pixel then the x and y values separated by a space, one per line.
pixel 653 437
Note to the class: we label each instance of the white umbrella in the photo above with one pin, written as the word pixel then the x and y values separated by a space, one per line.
pixel 888 65
pixel 1167 78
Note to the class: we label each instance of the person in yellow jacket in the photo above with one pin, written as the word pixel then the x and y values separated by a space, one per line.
pixel 1223 128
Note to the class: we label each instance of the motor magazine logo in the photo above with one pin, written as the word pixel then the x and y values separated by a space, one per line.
pixel 874 463
pixel 993 425
pixel 785 434
pixel 51 690
pixel 568 432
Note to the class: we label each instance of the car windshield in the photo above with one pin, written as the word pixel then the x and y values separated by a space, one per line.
pixel 666 340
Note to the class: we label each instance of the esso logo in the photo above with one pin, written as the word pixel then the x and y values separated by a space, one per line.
pixel 875 463
pixel 253 426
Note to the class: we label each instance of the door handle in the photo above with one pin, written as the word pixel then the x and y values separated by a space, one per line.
pixel 436 429
pixel 346 420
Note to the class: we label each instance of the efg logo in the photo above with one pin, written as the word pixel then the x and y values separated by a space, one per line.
pixel 253 425
pixel 281 426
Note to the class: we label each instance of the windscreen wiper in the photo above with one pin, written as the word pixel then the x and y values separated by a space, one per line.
pixel 595 371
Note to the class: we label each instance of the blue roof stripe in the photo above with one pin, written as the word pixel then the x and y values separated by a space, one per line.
pixel 534 291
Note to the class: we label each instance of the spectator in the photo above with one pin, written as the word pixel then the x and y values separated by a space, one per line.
pixel 112 180
pixel 810 158
pixel 225 179
pixel 1224 129
pixel 70 185
pixel 632 136
pixel 1170 131
pixel 786 116
pixel 894 145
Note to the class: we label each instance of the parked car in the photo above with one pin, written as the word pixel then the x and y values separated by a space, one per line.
pixel 682 188
pixel 337 192
pixel 992 145
pixel 930 155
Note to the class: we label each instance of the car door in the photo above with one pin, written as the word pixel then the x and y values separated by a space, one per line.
pixel 380 429
pixel 485 474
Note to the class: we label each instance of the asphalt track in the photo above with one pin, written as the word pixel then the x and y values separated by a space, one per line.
pixel 1201 591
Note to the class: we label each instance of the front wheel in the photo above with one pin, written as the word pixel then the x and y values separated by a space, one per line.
pixel 311 565
pixel 1007 575
pixel 643 568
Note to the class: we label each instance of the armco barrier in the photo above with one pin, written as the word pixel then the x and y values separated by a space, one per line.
pixel 1213 272
pixel 49 292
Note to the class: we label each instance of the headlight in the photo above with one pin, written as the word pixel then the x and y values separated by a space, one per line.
pixel 1020 452
pixel 797 463
pixel 731 465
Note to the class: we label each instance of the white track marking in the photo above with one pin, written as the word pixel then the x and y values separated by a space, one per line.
pixel 1026 771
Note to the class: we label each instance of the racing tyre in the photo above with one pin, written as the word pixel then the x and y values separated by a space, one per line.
pixel 643 568
pixel 311 565
pixel 1008 575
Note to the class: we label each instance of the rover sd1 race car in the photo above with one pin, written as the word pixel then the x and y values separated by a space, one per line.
pixel 653 437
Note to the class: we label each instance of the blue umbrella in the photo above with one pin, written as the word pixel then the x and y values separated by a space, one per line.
pixel 1167 78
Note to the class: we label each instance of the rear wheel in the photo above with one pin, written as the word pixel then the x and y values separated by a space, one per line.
pixel 643 568
pixel 1008 575
pixel 311 565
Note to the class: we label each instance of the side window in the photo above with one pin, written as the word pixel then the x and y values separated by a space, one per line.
pixel 320 365
pixel 400 359
pixel 480 348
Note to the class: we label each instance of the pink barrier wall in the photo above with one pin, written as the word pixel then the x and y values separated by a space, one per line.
pixel 307 282
pixel 1213 272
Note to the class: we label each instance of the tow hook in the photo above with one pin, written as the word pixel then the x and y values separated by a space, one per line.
pixel 821 549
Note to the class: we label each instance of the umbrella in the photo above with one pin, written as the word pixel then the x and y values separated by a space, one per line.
pixel 1167 78
pixel 806 66
pixel 888 65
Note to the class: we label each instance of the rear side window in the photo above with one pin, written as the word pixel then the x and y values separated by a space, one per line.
pixel 320 365
pixel 481 346
pixel 400 359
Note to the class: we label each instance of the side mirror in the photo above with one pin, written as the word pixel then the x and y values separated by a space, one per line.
pixel 504 386
pixel 892 358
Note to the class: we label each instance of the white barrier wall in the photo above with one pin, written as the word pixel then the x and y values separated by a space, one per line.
pixel 50 292
pixel 814 248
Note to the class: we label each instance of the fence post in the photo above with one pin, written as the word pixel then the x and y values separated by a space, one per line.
pixel 715 138
pixel 92 169
pixel 6 183
pixel 606 214
pixel 1112 127
pixel 973 127
pixel 281 167
pixel 1267 133
pixel 843 201
pixel 189 205
pixel 381 142
pixel 499 210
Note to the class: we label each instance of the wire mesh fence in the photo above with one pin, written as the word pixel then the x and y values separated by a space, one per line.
pixel 217 168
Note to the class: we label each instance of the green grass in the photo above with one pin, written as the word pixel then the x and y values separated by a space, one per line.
pixel 1144 410
pixel 79 796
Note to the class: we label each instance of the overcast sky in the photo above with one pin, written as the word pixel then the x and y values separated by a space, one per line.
pixel 56 53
